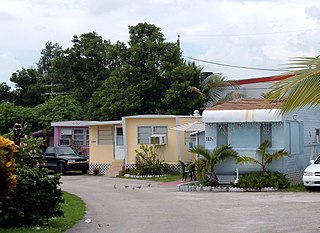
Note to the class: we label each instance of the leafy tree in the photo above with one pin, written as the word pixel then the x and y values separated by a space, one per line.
pixel 83 67
pixel 206 166
pixel 5 94
pixel 147 79
pixel 11 114
pixel 265 156
pixel 48 54
pixel 59 108
pixel 300 90
pixel 29 88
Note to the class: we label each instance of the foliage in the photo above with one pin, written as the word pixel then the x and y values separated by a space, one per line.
pixel 212 88
pixel 30 152
pixel 258 180
pixel 149 79
pixel 73 209
pixel 11 114
pixel 300 90
pixel 8 179
pixel 148 162
pixel 265 156
pixel 29 87
pixel 206 166
pixel 59 108
pixel 34 201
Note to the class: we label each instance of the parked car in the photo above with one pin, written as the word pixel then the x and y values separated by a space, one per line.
pixel 64 158
pixel 311 175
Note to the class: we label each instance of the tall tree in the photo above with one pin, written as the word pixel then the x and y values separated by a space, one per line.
pixel 5 94
pixel 152 73
pixel 83 67
pixel 28 87
pixel 300 90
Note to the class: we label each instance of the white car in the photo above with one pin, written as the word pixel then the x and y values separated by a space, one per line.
pixel 311 175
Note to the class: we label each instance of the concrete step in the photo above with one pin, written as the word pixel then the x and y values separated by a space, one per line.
pixel 116 168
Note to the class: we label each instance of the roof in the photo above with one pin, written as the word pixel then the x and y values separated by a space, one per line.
pixel 84 123
pixel 246 104
pixel 263 79
pixel 243 110
pixel 190 127
pixel 155 116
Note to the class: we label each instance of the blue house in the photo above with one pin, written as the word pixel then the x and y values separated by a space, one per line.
pixel 246 123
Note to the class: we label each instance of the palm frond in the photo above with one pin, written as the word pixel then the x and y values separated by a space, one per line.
pixel 301 90
pixel 247 159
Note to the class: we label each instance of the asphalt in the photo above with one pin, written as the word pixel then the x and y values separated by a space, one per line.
pixel 131 206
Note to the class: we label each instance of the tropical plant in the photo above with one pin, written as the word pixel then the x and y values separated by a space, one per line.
pixel 300 90
pixel 206 166
pixel 265 157
pixel 212 88
pixel 148 162
pixel 8 180
pixel 259 180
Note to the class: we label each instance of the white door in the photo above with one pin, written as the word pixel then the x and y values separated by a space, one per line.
pixel 119 149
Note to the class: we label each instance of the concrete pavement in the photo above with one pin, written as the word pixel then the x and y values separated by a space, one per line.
pixel 112 207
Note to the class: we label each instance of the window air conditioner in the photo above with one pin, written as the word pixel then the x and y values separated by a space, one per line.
pixel 65 142
pixel 157 139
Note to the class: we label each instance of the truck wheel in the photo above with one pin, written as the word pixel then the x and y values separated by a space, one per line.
pixel 84 171
pixel 62 168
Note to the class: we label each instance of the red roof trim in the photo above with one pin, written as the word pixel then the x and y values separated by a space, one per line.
pixel 263 79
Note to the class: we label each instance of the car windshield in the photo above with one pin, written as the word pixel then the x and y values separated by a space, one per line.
pixel 65 151
pixel 317 160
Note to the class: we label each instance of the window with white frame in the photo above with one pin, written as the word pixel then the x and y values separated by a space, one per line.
pixel 144 133
pixel 119 137
pixel 266 133
pixel 105 135
pixel 222 134
pixel 77 136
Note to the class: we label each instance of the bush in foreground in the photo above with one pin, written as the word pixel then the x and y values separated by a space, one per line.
pixel 259 180
pixel 34 201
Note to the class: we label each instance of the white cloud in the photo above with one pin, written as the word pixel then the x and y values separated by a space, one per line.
pixel 247 33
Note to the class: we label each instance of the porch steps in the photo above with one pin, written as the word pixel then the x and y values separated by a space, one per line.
pixel 116 168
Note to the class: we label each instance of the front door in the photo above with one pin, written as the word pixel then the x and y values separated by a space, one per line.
pixel 119 148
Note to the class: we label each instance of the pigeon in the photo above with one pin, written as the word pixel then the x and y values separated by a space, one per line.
pixel 88 220
pixel 139 187
pixel 126 186
pixel 149 185
pixel 114 186
pixel 133 188
pixel 99 225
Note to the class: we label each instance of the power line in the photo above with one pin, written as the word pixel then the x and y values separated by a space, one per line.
pixel 234 66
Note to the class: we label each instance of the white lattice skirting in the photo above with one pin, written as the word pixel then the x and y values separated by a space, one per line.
pixel 102 167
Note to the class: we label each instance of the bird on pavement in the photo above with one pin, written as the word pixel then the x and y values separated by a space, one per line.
pixel 149 185
pixel 114 186
pixel 139 187
pixel 133 188
pixel 126 186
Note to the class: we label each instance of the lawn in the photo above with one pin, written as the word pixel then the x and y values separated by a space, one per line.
pixel 167 178
pixel 74 210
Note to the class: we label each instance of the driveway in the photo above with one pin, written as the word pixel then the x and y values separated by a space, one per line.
pixel 160 208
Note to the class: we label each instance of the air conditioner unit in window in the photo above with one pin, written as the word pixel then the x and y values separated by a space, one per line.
pixel 157 139
pixel 65 142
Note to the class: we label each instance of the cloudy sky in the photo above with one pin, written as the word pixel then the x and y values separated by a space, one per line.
pixel 256 33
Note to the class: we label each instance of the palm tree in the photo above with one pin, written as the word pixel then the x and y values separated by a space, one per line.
pixel 206 166
pixel 213 87
pixel 266 157
pixel 300 90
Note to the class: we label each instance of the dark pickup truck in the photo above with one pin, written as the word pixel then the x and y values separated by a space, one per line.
pixel 64 158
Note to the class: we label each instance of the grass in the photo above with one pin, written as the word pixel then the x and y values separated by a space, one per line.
pixel 295 188
pixel 168 178
pixel 74 210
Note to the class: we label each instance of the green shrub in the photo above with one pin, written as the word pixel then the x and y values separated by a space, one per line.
pixel 258 180
pixel 34 201
pixel 148 162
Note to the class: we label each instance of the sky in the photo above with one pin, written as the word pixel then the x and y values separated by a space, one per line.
pixel 253 34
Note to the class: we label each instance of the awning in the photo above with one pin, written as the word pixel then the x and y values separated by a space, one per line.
pixel 190 127
pixel 257 115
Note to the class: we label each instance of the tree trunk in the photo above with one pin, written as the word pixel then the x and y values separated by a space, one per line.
pixel 212 179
